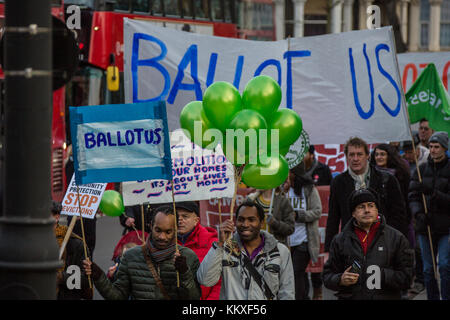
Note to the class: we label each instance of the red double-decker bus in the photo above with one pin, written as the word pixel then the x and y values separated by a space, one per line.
pixel 100 37
pixel 58 179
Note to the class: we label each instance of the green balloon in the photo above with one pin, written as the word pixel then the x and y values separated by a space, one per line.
pixel 246 140
pixel 112 203
pixel 193 115
pixel 221 102
pixel 289 124
pixel 266 176
pixel 262 94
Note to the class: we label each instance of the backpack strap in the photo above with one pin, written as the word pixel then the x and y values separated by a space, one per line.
pixel 154 273
pixel 258 278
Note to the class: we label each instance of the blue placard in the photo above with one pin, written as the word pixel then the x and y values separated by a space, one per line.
pixel 120 142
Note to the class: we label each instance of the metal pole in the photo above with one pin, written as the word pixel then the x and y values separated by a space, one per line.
pixel 28 249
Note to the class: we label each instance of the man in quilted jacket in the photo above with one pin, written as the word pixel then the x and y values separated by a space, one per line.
pixel 193 235
pixel 149 272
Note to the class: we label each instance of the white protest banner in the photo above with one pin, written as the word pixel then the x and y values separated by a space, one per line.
pixel 413 63
pixel 341 85
pixel 90 197
pixel 198 174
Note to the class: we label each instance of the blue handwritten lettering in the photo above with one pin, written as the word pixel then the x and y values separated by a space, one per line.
pixel 394 112
pixel 190 57
pixel 289 55
pixel 211 69
pixel 361 112
pixel 153 63
pixel 89 140
pixel 267 63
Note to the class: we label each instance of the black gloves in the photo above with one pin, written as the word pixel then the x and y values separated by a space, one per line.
pixel 180 264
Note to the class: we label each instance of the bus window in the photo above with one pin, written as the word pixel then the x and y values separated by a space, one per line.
pixel 201 9
pixel 122 5
pixel 140 6
pixel 156 8
pixel 81 3
pixel 217 10
pixel 187 9
pixel 171 8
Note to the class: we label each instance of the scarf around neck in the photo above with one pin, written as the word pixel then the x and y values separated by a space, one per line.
pixel 159 255
pixel 361 180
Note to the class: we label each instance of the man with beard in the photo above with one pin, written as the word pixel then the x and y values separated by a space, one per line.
pixel 253 264
pixel 138 278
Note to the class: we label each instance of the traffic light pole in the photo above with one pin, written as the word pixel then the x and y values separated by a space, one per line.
pixel 28 248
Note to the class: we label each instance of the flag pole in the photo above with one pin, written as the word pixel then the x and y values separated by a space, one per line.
pixel 414 152
pixel 176 228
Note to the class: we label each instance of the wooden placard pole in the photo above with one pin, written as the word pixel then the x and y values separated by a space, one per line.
pixel 82 233
pixel 176 228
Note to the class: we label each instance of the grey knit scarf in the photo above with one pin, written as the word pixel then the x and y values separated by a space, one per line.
pixel 361 180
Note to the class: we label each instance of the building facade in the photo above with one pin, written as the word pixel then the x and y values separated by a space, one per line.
pixel 424 25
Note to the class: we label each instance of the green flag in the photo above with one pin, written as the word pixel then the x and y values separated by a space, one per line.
pixel 427 98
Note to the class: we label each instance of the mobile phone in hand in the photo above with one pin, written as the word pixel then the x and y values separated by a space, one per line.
pixel 356 267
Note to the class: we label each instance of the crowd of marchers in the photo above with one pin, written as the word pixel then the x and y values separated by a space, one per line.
pixel 386 237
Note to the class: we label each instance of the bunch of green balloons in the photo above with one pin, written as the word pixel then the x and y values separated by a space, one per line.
pixel 112 203
pixel 224 113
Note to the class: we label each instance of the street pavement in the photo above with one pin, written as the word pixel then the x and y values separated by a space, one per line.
pixel 109 232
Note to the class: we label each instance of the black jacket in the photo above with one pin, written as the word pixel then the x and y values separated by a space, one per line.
pixel 392 205
pixel 437 177
pixel 74 255
pixel 322 175
pixel 389 251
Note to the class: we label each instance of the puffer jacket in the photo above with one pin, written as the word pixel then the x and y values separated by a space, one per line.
pixel 437 177
pixel 389 251
pixel 200 241
pixel 135 280
pixel 273 263
pixel 282 224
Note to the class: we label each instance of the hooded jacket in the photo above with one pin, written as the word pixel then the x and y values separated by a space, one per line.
pixel 437 177
pixel 388 258
pixel 200 241
pixel 392 204
pixel 273 263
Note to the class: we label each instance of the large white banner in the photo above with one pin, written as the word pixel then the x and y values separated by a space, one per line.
pixel 341 85
pixel 198 174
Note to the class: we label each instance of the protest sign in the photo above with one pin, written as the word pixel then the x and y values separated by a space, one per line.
pixel 209 209
pixel 90 196
pixel 413 63
pixel 198 174
pixel 340 84
pixel 123 142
